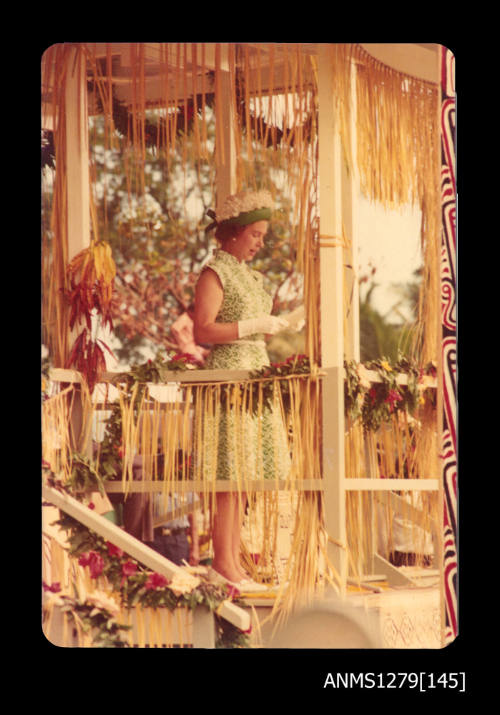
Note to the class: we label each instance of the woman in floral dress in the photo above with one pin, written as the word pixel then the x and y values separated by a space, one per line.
pixel 232 313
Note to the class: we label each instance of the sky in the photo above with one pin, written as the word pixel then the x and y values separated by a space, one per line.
pixel 390 242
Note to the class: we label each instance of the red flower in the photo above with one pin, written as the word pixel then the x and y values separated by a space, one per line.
pixel 186 357
pixel 232 591
pixel 114 550
pixel 128 569
pixel 94 561
pixel 155 580
pixel 392 398
pixel 53 588
pixel 91 505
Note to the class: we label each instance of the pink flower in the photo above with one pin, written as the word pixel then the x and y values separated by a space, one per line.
pixel 155 580
pixel 53 588
pixel 94 561
pixel 128 569
pixel 392 398
pixel 114 550
pixel 232 591
pixel 185 357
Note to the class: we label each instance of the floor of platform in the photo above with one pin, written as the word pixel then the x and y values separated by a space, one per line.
pixel 395 617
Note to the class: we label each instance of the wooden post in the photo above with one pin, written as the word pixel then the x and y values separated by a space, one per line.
pixel 331 329
pixel 78 196
pixel 77 155
pixel 349 184
pixel 225 153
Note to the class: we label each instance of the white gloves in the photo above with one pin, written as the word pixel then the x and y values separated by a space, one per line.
pixel 268 324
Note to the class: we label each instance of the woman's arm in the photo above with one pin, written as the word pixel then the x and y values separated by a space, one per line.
pixel 208 300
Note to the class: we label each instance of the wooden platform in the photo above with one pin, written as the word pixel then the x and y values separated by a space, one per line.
pixel 395 618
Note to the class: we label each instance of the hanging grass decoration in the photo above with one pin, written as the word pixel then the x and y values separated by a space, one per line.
pixel 292 366
pixel 91 275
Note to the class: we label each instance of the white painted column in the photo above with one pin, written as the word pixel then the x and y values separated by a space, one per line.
pixel 350 183
pixel 225 155
pixel 77 155
pixel 331 329
pixel 78 194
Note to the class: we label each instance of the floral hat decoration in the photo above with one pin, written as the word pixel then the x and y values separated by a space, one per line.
pixel 242 209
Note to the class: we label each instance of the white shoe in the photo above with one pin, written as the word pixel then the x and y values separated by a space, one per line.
pixel 217 577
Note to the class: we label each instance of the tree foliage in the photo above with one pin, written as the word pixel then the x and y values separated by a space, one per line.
pixel 380 337
pixel 159 241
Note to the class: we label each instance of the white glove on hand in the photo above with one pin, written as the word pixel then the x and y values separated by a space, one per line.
pixel 268 324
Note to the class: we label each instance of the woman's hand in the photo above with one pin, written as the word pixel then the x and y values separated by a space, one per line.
pixel 268 324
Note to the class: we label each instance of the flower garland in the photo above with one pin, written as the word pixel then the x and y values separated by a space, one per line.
pixel 136 585
pixel 376 402
pixel 95 613
pixel 133 583
pixel 295 365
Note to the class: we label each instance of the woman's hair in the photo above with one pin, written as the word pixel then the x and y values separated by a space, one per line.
pixel 226 231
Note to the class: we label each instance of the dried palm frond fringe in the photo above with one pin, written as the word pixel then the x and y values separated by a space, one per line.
pixel 285 540
pixel 274 100
pixel 398 451
pixel 273 96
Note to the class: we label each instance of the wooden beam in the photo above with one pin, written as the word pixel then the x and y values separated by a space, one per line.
pixel 77 155
pixel 397 485
pixel 411 58
pixel 350 183
pixel 225 148
pixel 331 312
pixel 190 376
pixel 264 485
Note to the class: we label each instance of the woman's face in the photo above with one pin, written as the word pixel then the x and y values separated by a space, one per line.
pixel 249 241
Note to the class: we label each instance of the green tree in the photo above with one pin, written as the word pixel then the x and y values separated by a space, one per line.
pixel 379 336
pixel 159 241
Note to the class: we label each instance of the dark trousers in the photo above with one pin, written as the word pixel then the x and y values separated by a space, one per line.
pixel 174 547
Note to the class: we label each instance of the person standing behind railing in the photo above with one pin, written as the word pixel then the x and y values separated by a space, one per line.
pixel 232 313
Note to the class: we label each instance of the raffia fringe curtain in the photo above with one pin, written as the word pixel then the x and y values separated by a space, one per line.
pixel 273 101
pixel 273 95
pixel 404 448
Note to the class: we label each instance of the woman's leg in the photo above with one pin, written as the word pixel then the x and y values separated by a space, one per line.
pixel 225 525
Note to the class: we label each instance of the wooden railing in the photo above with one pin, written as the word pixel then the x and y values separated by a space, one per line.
pixel 203 623
pixel 334 493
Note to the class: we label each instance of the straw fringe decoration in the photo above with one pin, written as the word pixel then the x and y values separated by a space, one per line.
pixel 150 627
pixel 396 150
pixel 396 146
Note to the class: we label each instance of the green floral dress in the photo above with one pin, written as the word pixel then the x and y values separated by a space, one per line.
pixel 239 444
